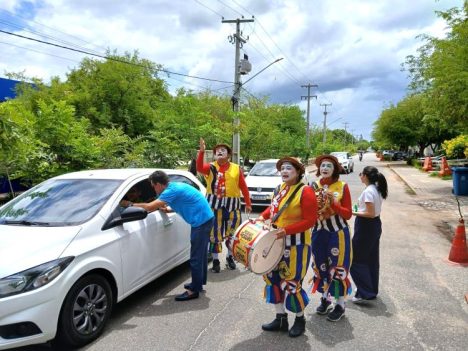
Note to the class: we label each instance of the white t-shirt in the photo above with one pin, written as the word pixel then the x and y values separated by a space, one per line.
pixel 370 194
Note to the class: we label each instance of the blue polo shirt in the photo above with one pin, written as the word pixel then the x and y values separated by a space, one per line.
pixel 187 202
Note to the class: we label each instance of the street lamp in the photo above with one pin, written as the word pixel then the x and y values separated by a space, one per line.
pixel 236 100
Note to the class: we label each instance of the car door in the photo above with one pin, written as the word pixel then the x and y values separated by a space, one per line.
pixel 142 245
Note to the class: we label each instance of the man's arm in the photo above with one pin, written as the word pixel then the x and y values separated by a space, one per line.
pixel 152 206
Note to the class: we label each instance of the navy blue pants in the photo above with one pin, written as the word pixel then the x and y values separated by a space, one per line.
pixel 366 263
pixel 199 238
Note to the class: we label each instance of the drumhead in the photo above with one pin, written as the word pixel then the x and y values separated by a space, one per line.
pixel 266 253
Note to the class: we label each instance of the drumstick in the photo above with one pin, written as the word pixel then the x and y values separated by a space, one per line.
pixel 265 254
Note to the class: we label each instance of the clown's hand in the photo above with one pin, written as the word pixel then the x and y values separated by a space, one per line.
pixel 202 145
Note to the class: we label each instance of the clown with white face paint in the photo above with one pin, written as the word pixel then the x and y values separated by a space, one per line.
pixel 225 183
pixel 331 240
pixel 288 172
pixel 293 211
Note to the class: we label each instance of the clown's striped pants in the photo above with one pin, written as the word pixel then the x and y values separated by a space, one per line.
pixel 225 225
pixel 284 283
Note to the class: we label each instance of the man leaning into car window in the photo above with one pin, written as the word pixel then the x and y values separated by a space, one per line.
pixel 192 206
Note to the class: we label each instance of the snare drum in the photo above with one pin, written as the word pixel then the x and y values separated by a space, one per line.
pixel 257 248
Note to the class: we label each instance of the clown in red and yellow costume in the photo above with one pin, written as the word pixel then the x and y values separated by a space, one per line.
pixel 331 239
pixel 293 211
pixel 224 184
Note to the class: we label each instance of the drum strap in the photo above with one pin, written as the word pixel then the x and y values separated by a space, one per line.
pixel 286 204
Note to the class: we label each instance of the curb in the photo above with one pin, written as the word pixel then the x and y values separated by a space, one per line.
pixel 402 179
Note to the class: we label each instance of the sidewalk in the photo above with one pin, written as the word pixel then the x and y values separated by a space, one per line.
pixel 433 193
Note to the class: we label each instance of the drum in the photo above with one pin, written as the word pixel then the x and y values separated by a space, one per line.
pixel 257 248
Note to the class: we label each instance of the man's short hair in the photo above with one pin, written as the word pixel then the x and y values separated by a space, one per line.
pixel 159 177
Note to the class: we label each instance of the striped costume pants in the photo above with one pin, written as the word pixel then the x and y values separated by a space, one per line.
pixel 225 225
pixel 284 283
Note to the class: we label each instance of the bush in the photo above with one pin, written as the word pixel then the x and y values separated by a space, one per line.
pixel 456 147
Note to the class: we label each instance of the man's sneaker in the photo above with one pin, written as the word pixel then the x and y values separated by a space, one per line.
pixel 230 262
pixel 324 307
pixel 216 266
pixel 336 314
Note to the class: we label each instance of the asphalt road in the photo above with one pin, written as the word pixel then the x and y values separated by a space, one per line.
pixel 420 307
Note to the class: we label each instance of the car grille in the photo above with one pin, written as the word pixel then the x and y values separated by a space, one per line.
pixel 260 189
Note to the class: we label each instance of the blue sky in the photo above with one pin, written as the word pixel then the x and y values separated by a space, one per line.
pixel 352 49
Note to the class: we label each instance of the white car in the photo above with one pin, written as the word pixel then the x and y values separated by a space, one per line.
pixel 69 252
pixel 346 160
pixel 262 180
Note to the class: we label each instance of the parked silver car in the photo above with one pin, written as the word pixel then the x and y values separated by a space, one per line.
pixel 345 159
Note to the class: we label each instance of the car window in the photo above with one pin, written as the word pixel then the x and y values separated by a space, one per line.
pixel 59 202
pixel 183 179
pixel 264 169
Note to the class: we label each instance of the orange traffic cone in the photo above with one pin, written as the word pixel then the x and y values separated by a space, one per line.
pixel 444 168
pixel 459 251
pixel 427 164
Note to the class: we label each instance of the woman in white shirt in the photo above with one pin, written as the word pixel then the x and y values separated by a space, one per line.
pixel 367 231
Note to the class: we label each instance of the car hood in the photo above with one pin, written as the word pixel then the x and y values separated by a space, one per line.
pixel 23 247
pixel 262 181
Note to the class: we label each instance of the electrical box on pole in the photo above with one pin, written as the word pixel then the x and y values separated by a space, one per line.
pixel 240 67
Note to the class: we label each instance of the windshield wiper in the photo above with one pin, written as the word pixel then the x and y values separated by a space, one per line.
pixel 24 222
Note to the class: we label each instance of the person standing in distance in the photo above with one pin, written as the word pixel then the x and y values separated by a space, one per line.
pixel 192 206
pixel 367 231
pixel 224 184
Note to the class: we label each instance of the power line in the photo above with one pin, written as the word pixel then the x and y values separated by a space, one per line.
pixel 54 29
pixel 217 13
pixel 272 40
pixel 109 57
pixel 229 7
pixel 38 51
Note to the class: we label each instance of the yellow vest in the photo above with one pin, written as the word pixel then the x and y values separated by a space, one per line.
pixel 293 213
pixel 336 189
pixel 231 177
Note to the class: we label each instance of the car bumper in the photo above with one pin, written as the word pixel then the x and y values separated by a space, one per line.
pixel 39 307
pixel 259 199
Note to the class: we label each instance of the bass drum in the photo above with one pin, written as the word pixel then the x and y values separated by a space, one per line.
pixel 257 248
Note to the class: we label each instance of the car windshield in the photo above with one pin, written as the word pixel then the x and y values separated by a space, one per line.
pixel 339 154
pixel 264 169
pixel 59 202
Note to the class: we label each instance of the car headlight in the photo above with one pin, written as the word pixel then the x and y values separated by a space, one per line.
pixel 33 278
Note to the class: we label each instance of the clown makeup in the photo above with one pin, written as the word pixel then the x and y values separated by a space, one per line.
pixel 326 169
pixel 221 153
pixel 288 173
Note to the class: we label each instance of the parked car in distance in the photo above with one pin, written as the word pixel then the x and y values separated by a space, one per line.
pixel 345 159
pixel 399 155
pixel 69 252
pixel 262 180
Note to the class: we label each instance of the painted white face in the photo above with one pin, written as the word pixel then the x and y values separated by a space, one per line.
pixel 288 172
pixel 221 153
pixel 326 169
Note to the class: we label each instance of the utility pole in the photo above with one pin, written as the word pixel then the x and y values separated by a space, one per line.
pixel 345 125
pixel 238 41
pixel 308 86
pixel 325 122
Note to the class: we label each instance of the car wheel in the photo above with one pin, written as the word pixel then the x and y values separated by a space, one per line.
pixel 85 311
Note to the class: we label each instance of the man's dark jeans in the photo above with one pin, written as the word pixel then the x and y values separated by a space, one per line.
pixel 199 238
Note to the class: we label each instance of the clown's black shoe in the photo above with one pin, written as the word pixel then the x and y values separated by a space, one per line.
pixel 280 323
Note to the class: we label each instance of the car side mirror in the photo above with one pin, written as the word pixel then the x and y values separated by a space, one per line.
pixel 129 214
